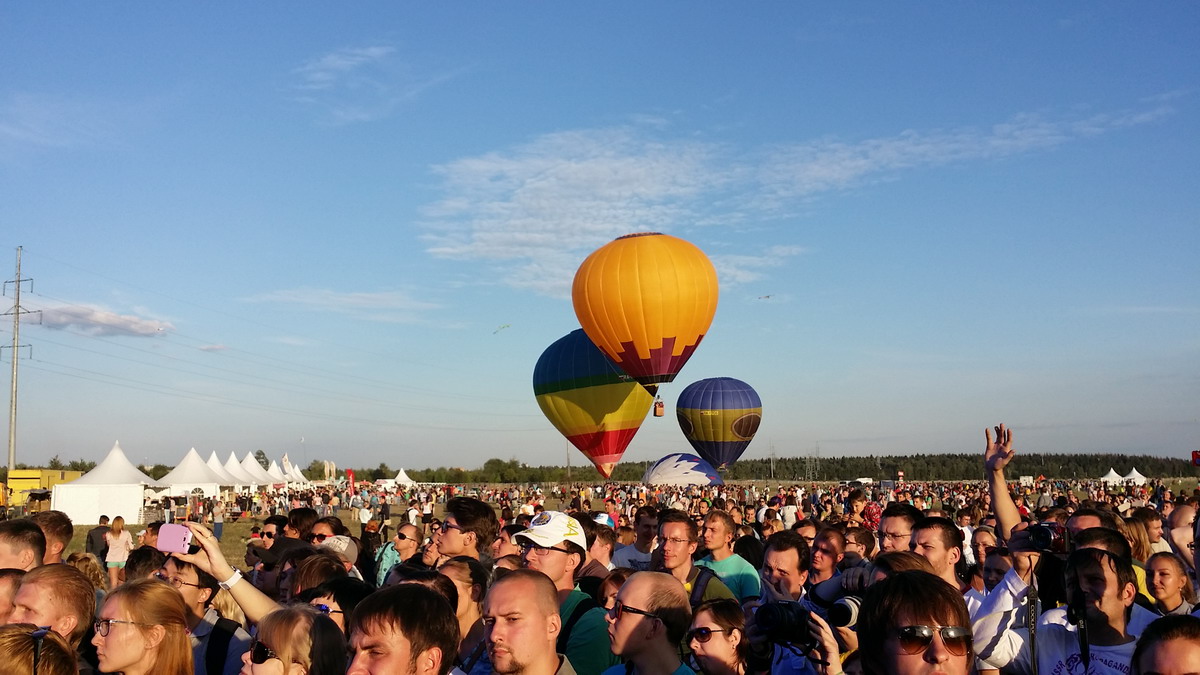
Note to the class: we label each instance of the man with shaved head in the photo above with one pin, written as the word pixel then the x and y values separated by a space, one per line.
pixel 522 625
pixel 647 623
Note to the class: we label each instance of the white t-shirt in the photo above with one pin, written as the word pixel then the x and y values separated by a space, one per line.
pixel 632 558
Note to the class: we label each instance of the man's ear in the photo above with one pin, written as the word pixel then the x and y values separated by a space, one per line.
pixel 54 549
pixel 553 625
pixel 430 660
pixel 66 624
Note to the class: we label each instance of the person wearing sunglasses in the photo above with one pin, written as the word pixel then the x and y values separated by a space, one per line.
pixel 337 598
pixel 401 548
pixel 296 640
pixel 647 623
pixel 142 629
pixel 717 638
pixel 469 529
pixel 914 622
pixel 26 648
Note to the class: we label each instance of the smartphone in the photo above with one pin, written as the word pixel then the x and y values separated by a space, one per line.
pixel 174 538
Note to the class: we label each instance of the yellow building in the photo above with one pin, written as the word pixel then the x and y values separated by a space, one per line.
pixel 20 480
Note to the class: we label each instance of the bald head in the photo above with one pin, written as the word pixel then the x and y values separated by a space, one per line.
pixel 535 585
pixel 667 599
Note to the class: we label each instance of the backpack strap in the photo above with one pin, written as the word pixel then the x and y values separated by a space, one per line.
pixel 585 605
pixel 700 585
pixel 218 645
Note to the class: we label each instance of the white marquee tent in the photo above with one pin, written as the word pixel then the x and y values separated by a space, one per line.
pixel 215 464
pixel 403 479
pixel 1111 477
pixel 276 473
pixel 234 468
pixel 1137 478
pixel 115 487
pixel 192 473
pixel 252 467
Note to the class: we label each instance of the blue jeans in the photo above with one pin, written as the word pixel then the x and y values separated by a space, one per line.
pixel 217 529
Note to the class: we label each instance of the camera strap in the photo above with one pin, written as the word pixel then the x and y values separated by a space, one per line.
pixel 1031 620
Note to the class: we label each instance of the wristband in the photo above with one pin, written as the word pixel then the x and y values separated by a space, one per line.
pixel 237 576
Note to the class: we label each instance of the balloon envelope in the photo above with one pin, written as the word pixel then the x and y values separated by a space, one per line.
pixel 683 470
pixel 719 416
pixel 589 400
pixel 646 300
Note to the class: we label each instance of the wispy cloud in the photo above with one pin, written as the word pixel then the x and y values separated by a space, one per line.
pixel 50 121
pixel 385 306
pixel 362 84
pixel 534 210
pixel 93 320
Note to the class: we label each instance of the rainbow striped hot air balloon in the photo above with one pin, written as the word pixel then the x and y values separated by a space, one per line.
pixel 589 400
pixel 719 416
pixel 646 300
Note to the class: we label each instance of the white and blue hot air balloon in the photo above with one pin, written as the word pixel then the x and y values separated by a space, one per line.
pixel 681 469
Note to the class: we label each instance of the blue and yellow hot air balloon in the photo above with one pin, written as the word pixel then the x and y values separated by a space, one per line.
pixel 647 301
pixel 589 400
pixel 719 416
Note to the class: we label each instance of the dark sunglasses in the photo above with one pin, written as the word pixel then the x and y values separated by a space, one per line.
pixel 326 609
pixel 702 634
pixel 620 608
pixel 403 537
pixel 260 653
pixel 319 538
pixel 916 639
pixel 268 535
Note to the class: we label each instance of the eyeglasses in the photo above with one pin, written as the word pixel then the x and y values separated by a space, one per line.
pixel 894 537
pixel 268 535
pixel 620 608
pixel 677 541
pixel 916 639
pixel 260 653
pixel 38 635
pixel 702 634
pixel 318 538
pixel 326 609
pixel 103 626
pixel 176 582
pixel 403 537
pixel 535 549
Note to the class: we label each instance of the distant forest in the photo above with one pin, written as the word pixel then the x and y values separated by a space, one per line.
pixel 795 469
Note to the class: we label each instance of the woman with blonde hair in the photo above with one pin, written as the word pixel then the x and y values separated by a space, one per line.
pixel 119 543
pixel 91 568
pixel 142 629
pixel 25 648
pixel 303 640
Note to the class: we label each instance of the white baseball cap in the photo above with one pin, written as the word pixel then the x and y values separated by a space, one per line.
pixel 549 528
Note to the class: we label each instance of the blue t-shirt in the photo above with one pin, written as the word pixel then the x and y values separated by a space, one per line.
pixel 619 669
pixel 739 575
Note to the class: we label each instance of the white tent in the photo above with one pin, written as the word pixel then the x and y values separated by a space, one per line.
pixel 252 467
pixel 403 479
pixel 291 471
pixel 114 488
pixel 215 464
pixel 276 473
pixel 297 475
pixel 1111 477
pixel 191 473
pixel 1137 478
pixel 234 468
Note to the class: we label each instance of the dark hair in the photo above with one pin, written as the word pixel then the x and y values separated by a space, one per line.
pixel 750 549
pixel 805 522
pixel 316 569
pixel 475 516
pixel 856 495
pixel 1101 537
pixel 347 592
pixel 477 574
pixel 23 534
pixel 278 521
pixel 423 616
pixel 302 520
pixel 143 561
pixel 676 516
pixel 644 512
pixel 204 579
pixel 55 525
pixel 906 512
pixel 912 595
pixel 429 578
pixel 1146 515
pixel 834 535
pixel 1165 629
pixel 951 536
pixel 1096 558
pixel 790 539
pixel 863 537
pixel 154 527
pixel 894 562
pixel 586 524
pixel 335 525
pixel 1107 518
pixel 728 614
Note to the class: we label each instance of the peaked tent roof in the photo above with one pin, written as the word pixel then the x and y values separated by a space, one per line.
pixel 1136 477
pixel 291 471
pixel 252 467
pixel 115 469
pixel 191 470
pixel 403 479
pixel 234 468
pixel 275 472
pixel 1111 477
pixel 215 464
pixel 297 475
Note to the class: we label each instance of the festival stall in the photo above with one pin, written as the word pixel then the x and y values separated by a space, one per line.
pixel 114 488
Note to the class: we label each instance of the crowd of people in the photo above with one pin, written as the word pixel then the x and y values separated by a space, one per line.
pixel 627 580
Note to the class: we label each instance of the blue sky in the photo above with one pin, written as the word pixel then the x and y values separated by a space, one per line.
pixel 251 224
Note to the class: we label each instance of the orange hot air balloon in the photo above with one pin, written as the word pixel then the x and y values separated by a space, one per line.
pixel 646 300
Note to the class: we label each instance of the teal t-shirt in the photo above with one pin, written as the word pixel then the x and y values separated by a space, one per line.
pixel 588 647
pixel 739 575
pixel 620 670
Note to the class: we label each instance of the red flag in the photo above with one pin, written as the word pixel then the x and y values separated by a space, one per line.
pixel 350 477
pixel 1196 457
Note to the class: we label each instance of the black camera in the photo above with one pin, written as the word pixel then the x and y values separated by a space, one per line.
pixel 1050 537
pixel 844 612
pixel 784 623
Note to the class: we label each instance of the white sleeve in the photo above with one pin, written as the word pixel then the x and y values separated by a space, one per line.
pixel 999 640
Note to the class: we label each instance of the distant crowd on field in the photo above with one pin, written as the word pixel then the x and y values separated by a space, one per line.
pixel 624 580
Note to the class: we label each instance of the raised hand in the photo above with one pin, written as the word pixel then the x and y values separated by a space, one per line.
pixel 997 455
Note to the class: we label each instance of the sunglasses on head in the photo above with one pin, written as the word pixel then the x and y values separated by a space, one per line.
pixel 702 634
pixel 916 639
pixel 260 653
